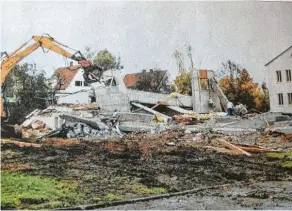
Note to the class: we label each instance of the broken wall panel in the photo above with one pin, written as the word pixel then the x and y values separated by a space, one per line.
pixel 119 97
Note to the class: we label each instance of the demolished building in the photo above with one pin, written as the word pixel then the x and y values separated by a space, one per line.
pixel 118 97
pixel 117 108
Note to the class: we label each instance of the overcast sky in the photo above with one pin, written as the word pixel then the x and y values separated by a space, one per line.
pixel 145 34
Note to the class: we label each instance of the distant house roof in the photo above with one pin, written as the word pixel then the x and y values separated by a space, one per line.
pixel 130 80
pixel 278 56
pixel 67 74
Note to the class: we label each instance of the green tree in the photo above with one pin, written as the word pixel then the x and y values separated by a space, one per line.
pixel 240 88
pixel 104 59
pixel 29 89
pixel 183 84
pixel 154 81
pixel 246 89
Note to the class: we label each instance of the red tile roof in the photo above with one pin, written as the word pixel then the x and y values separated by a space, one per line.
pixel 66 73
pixel 130 80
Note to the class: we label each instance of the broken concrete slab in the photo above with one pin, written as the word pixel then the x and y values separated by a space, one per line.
pixel 179 109
pixel 119 97
pixel 37 124
pixel 35 112
pixel 234 129
pixel 136 126
pixel 166 118
pixel 226 119
pixel 130 117
pixel 260 121
pixel 94 122
pixel 26 123
pixel 284 130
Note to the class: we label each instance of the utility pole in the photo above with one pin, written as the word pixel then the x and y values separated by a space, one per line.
pixel 196 101
pixel 196 95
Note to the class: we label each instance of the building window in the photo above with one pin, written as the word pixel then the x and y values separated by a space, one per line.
pixel 78 83
pixel 288 75
pixel 279 76
pixel 85 84
pixel 280 97
pixel 289 98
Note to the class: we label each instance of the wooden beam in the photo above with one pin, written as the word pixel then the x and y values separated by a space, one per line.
pixel 233 147
pixel 18 143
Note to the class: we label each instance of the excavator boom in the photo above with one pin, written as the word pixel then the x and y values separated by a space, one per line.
pixel 10 62
pixel 49 43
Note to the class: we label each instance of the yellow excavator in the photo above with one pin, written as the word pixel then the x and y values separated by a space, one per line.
pixel 50 44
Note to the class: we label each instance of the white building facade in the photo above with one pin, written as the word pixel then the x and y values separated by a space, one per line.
pixel 279 82
pixel 74 89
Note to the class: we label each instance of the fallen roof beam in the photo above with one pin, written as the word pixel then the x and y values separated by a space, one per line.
pixel 19 144
pixel 221 150
pixel 151 110
pixel 233 147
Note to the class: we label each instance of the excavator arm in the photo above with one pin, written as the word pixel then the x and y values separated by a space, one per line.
pixel 45 42
pixel 10 62
pixel 49 43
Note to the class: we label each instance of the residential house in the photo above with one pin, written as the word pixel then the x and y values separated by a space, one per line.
pixel 279 82
pixel 154 77
pixel 70 85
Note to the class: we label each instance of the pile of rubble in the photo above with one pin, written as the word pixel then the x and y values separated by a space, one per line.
pixel 104 128
pixel 89 121
pixel 33 128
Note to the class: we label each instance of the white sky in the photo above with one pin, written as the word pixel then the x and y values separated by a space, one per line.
pixel 145 34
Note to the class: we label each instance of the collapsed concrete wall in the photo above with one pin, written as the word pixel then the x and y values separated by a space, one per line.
pixel 81 97
pixel 118 97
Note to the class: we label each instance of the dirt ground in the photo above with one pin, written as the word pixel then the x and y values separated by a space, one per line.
pixel 263 195
pixel 132 167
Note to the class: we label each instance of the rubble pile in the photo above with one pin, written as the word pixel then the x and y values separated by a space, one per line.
pixel 102 129
pixel 89 121
pixel 34 128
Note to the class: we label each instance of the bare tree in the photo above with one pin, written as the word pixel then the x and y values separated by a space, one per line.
pixel 179 60
pixel 230 69
pixel 189 51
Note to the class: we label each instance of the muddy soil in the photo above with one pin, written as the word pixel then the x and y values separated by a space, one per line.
pixel 264 195
pixel 122 167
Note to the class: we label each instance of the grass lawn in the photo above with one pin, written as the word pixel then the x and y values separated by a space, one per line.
pixel 19 191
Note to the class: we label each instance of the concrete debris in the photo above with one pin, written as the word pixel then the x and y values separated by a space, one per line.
pixel 37 125
pixel 150 110
pixel 90 106
pixel 90 121
pixel 35 112
pixel 103 130
pixel 33 128
pixel 284 130
pixel 185 119
pixel 240 110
